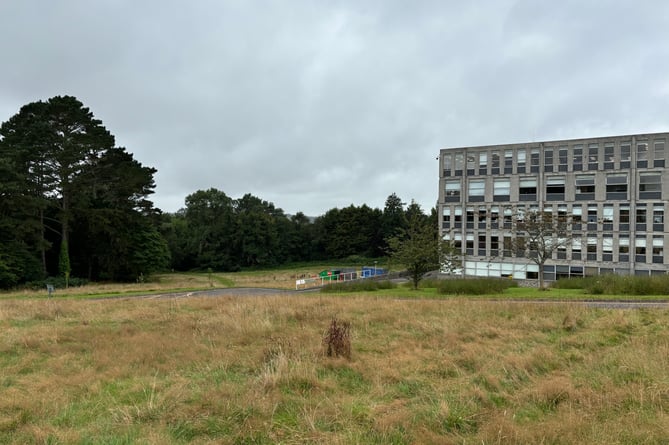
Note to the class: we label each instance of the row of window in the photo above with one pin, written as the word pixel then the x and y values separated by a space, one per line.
pixel 579 157
pixel 550 272
pixel 616 187
pixel 647 217
pixel 587 247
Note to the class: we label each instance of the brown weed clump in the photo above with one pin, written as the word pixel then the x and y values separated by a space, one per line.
pixel 337 339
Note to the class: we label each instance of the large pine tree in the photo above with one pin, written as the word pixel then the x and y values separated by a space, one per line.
pixel 79 193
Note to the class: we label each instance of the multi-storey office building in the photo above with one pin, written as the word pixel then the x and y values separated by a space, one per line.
pixel 615 186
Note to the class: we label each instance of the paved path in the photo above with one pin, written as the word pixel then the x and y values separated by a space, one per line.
pixel 261 292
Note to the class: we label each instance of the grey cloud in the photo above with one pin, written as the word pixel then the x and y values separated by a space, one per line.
pixel 317 105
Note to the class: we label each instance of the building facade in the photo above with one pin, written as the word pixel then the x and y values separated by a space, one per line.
pixel 614 188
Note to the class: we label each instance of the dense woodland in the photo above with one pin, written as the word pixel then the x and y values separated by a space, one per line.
pixel 73 205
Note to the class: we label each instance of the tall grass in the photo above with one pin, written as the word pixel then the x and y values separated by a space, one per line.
pixel 255 370
pixel 618 284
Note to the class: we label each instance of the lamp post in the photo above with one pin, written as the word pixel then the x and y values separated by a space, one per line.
pixel 375 267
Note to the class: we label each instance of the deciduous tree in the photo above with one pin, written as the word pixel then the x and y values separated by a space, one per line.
pixel 539 234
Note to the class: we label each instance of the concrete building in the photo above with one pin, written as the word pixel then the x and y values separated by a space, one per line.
pixel 616 186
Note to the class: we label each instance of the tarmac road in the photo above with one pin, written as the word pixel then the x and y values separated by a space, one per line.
pixel 261 292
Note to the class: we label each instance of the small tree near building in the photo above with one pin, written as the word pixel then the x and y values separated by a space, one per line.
pixel 420 249
pixel 539 234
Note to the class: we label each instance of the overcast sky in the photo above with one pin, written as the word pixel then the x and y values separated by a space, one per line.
pixel 320 104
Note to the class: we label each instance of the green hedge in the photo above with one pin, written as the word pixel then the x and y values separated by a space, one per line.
pixel 358 286
pixel 474 286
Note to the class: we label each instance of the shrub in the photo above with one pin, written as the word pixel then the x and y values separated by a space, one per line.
pixel 337 339
pixel 569 283
pixel 358 286
pixel 56 282
pixel 618 284
pixel 475 286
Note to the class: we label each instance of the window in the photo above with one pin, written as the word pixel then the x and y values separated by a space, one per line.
pixel 534 160
pixel 658 249
pixel 576 216
pixel 508 217
pixel 494 245
pixel 592 249
pixel 562 159
pixel 593 157
pixel 608 156
pixel 457 242
pixel 458 217
pixel 459 163
pixel 625 150
pixel 607 247
pixel 650 185
pixel 501 189
pixel 585 187
pixel 447 160
pixel 527 190
pixel 555 188
pixel 483 163
pixel 642 154
pixel 576 248
pixel 452 190
pixel 520 213
pixel 507 245
pixel 607 217
pixel 482 245
pixel 471 163
pixel 446 218
pixel 476 190
pixel 508 161
pixel 470 217
pixel 562 249
pixel 469 243
pixel 520 246
pixel 578 157
pixel 520 165
pixel 494 217
pixel 641 217
pixel 495 162
pixel 623 248
pixel 562 212
pixel 640 248
pixel 624 217
pixel 592 217
pixel 482 217
pixel 658 154
pixel 658 217
pixel 616 186
pixel 548 159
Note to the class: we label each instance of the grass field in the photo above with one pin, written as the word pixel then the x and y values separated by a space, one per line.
pixel 243 370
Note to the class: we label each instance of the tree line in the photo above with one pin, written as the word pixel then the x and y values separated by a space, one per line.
pixel 75 205
pixel 217 232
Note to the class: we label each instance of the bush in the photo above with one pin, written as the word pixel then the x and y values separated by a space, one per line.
pixel 365 285
pixel 56 282
pixel 618 284
pixel 474 286
pixel 570 283
pixel 337 339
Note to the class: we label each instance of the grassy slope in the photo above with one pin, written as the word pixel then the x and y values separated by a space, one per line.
pixel 251 370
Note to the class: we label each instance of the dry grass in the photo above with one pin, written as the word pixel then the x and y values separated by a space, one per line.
pixel 254 370
pixel 175 281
